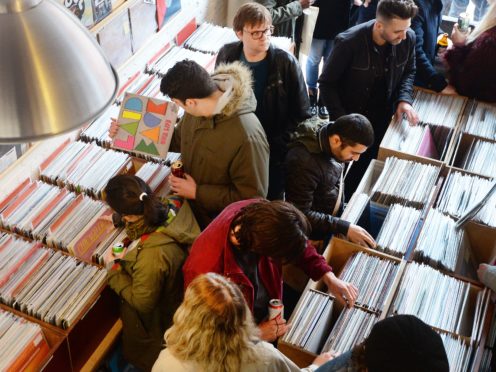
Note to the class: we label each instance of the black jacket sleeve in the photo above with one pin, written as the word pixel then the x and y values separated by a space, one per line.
pixel 426 73
pixel 299 102
pixel 405 89
pixel 302 179
pixel 338 62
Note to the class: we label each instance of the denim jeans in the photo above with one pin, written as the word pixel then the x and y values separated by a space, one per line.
pixel 320 48
pixel 460 6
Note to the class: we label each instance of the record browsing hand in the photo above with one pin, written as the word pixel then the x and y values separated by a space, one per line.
pixel 406 110
pixel 360 236
pixel 345 292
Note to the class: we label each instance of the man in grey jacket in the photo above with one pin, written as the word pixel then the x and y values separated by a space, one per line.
pixel 284 14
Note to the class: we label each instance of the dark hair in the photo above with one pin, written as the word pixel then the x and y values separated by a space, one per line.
pixel 252 14
pixel 272 228
pixel 403 9
pixel 187 79
pixel 122 194
pixel 404 343
pixel 352 129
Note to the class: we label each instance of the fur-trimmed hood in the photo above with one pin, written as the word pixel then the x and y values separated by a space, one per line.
pixel 235 80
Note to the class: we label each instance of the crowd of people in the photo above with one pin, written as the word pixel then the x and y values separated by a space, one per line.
pixel 265 177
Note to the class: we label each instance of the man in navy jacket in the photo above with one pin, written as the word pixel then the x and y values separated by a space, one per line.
pixel 426 26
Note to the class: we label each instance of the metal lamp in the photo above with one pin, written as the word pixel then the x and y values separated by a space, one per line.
pixel 54 77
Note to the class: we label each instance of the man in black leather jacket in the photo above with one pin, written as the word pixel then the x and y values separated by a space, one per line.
pixel 279 86
pixel 315 168
pixel 371 72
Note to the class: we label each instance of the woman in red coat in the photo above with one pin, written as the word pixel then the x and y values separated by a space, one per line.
pixel 472 60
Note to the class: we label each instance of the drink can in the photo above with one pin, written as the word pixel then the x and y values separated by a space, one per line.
pixel 276 309
pixel 118 248
pixel 463 22
pixel 177 169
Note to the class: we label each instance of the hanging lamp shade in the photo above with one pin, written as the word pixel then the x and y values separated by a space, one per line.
pixel 54 77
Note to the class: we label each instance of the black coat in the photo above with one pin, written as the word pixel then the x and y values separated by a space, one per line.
pixel 286 100
pixel 333 18
pixel 312 184
pixel 348 76
pixel 426 26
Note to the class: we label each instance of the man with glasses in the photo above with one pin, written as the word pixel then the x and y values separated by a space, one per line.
pixel 279 87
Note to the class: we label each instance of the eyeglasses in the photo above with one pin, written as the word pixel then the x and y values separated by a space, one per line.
pixel 257 35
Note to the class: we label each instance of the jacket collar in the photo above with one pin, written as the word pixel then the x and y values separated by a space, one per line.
pixel 324 144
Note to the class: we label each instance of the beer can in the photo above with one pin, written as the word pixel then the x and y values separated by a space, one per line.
pixel 463 22
pixel 118 248
pixel 276 309
pixel 177 169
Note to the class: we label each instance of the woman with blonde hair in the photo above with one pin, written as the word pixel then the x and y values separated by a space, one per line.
pixel 213 331
pixel 471 62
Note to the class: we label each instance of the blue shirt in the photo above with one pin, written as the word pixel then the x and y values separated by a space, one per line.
pixel 260 72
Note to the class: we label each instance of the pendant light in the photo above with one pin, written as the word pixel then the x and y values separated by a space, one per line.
pixel 54 77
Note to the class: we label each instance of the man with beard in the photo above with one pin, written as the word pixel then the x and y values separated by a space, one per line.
pixel 315 170
pixel 371 72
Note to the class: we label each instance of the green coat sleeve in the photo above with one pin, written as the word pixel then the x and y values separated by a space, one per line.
pixel 282 13
pixel 142 288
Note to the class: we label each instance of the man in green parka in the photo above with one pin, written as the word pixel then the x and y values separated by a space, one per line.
pixel 222 143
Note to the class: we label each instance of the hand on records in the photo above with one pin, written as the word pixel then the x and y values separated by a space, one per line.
pixel 359 235
pixel 345 292
pixel 449 90
pixel 405 109
pixel 114 127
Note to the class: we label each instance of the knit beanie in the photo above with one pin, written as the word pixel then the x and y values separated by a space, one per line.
pixel 404 343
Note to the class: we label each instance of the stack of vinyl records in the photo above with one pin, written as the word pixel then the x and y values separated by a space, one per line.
pixel 176 54
pixel 23 346
pixel 438 109
pixel 480 119
pixel 487 355
pixel 462 191
pixel 404 182
pixel 143 84
pixel 33 207
pixel 103 254
pixel 458 351
pixel 20 259
pixel 98 131
pixel 312 321
pixel 59 290
pixel 74 230
pixel 85 167
pixel 374 277
pixel 172 157
pixel 480 157
pixel 437 299
pixel 352 327
pixel 397 229
pixel 431 141
pixel 156 176
pixel 355 207
pixel 439 241
pixel 209 38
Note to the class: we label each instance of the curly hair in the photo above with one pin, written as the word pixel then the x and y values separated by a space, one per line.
pixel 213 327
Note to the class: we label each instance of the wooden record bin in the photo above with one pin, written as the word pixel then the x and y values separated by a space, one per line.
pixel 337 254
